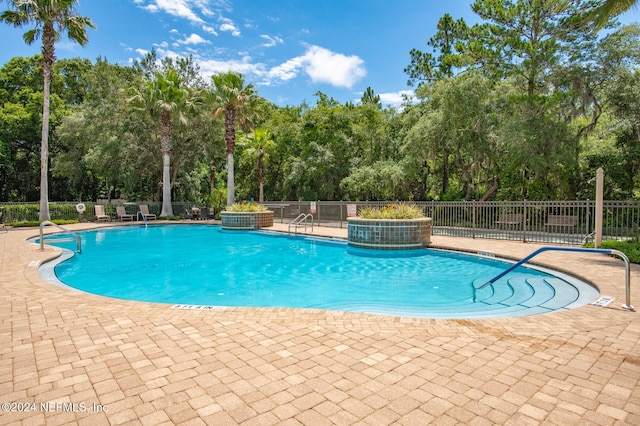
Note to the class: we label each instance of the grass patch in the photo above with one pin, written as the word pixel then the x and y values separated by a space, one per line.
pixel 246 207
pixel 629 247
pixel 391 211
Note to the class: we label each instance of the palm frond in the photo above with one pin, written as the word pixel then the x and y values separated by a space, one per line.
pixel 601 15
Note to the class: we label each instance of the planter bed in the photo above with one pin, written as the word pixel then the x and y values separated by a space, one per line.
pixel 246 220
pixel 389 234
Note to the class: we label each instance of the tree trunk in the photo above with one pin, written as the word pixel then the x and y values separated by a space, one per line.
pixel 230 183
pixel 261 177
pixel 48 57
pixel 230 139
pixel 165 125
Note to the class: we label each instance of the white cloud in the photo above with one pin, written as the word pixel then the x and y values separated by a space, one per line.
pixel 271 41
pixel 162 53
pixel 228 25
pixel 179 8
pixel 323 66
pixel 397 98
pixel 151 8
pixel 286 71
pixel 209 29
pixel 244 66
pixel 193 39
pixel 142 52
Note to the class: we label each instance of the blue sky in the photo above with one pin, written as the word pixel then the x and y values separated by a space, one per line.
pixel 289 49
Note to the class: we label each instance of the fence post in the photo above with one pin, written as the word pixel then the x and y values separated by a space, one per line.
pixel 524 220
pixel 473 218
pixel 599 206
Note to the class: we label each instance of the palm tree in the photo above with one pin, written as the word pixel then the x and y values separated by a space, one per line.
pixel 165 97
pixel 258 144
pixel 610 8
pixel 49 19
pixel 232 97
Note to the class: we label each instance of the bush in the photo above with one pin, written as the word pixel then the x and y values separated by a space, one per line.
pixel 392 211
pixel 246 207
pixel 629 247
pixel 36 223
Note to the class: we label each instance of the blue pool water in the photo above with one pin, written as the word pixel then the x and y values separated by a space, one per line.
pixel 204 265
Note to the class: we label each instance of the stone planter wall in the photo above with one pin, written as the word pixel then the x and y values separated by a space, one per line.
pixel 389 234
pixel 246 220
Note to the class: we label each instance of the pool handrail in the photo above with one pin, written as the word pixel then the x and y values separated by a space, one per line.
pixel 299 220
pixel 76 236
pixel 627 270
pixel 144 218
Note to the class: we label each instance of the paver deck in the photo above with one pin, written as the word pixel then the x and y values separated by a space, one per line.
pixel 74 358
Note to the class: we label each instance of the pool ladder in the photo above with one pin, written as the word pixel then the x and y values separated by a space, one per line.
pixel 627 268
pixel 301 220
pixel 75 238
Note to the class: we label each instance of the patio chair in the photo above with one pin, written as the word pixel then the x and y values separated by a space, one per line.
pixel 3 228
pixel 205 213
pixel 122 214
pixel 100 216
pixel 144 209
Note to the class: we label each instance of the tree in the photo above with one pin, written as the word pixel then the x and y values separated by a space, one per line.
pixel 235 99
pixel 166 98
pixel 258 146
pixel 424 66
pixel 49 18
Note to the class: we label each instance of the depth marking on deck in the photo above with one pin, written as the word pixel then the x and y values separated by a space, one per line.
pixel 603 301
pixel 199 307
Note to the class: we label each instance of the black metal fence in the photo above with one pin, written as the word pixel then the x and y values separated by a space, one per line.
pixel 557 222
pixel 554 222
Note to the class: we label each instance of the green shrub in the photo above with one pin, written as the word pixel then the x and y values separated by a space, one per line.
pixel 629 247
pixel 391 211
pixel 36 223
pixel 246 207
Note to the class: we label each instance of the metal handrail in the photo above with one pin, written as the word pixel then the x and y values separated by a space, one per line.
pixel 627 271
pixel 302 217
pixel 144 218
pixel 77 237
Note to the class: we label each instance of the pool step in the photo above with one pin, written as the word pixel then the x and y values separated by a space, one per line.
pixel 518 295
pixel 522 290
pixel 542 292
pixel 561 299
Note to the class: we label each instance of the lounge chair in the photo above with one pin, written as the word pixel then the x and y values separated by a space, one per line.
pixel 100 214
pixel 122 214
pixel 144 209
pixel 204 213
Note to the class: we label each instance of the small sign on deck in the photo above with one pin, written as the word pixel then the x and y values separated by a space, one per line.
pixel 603 301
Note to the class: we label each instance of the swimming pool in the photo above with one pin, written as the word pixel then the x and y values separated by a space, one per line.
pixel 206 266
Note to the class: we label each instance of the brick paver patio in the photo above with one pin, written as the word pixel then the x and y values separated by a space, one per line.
pixel 74 358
